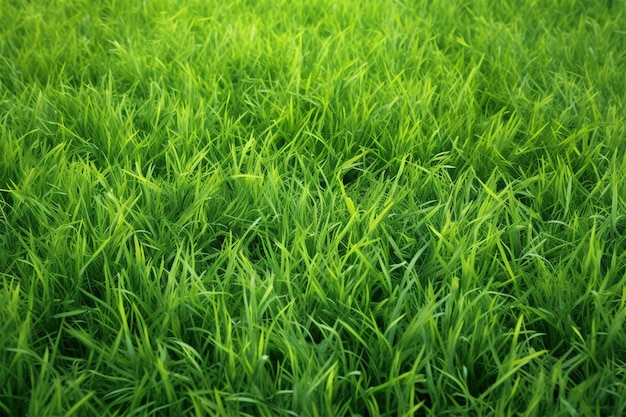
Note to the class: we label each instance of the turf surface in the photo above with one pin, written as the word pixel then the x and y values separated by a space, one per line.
pixel 313 208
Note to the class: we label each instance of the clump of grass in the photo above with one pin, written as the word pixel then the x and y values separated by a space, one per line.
pixel 312 208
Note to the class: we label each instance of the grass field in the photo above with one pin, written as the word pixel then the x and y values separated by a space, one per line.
pixel 313 208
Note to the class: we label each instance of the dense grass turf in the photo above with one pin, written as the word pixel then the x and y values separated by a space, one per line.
pixel 313 207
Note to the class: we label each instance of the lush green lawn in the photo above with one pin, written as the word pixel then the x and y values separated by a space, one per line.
pixel 313 208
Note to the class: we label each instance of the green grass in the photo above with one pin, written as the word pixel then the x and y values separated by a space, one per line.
pixel 313 208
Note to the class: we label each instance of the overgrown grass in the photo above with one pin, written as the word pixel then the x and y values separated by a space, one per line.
pixel 313 208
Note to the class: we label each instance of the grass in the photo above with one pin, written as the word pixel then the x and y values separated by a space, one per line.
pixel 313 208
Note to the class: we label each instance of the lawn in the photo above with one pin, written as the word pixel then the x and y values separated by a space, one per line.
pixel 312 208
